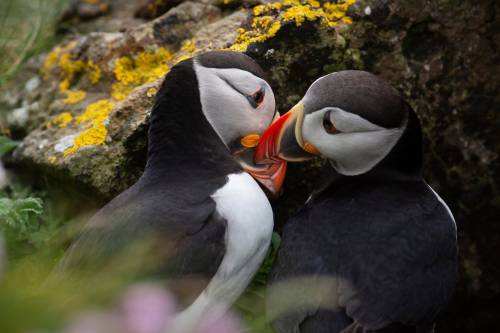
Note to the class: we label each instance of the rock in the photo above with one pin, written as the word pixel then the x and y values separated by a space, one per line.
pixel 85 16
pixel 32 84
pixel 150 9
pixel 178 24
pixel 95 92
pixel 18 117
pixel 90 108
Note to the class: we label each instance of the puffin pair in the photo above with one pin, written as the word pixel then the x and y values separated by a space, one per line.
pixel 377 245
pixel 195 214
pixel 374 248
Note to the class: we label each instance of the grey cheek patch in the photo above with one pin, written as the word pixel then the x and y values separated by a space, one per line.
pixel 225 105
pixel 359 147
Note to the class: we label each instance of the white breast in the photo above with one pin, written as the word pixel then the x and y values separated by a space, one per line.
pixel 249 216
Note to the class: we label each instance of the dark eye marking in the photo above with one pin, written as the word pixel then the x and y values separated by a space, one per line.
pixel 256 98
pixel 328 124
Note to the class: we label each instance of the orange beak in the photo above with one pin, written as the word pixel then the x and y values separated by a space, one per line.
pixel 272 174
pixel 283 141
pixel 267 149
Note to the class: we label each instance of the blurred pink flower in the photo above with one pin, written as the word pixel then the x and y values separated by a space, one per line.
pixel 147 308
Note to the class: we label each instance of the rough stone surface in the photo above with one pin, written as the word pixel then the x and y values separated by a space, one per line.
pixel 441 54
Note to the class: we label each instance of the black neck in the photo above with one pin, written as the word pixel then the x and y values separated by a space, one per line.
pixel 181 142
pixel 405 159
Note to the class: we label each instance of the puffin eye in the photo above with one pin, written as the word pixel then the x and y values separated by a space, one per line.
pixel 256 98
pixel 328 124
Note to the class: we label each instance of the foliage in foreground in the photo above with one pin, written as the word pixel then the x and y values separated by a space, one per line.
pixel 26 28
pixel 37 233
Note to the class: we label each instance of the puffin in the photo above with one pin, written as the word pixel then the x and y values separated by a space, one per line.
pixel 374 249
pixel 195 218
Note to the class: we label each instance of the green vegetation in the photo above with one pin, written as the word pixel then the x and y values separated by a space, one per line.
pixel 27 27
pixel 251 304
pixel 37 230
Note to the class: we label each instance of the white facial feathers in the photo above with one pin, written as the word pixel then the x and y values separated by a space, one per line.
pixel 224 95
pixel 357 147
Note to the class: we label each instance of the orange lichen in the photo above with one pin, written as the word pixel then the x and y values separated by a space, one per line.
pixel 145 67
pixel 94 118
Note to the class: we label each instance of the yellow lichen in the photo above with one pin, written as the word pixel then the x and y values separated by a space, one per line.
pixel 94 118
pixel 301 13
pixel 182 57
pixel 95 113
pixel 50 62
pixel 61 120
pixel 61 63
pixel 188 49
pixel 188 45
pixel 120 91
pixel 314 3
pixel 267 19
pixel 151 92
pixel 74 96
pixel 259 9
pixel 94 72
pixel 93 136
pixel 145 67
pixel 336 13
pixel 64 85
pixel 52 159
pixel 263 31
pixel 70 67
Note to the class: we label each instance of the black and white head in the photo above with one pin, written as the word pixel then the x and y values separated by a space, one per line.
pixel 235 97
pixel 207 105
pixel 353 118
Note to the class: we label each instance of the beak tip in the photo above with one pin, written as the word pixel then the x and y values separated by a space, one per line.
pixel 271 177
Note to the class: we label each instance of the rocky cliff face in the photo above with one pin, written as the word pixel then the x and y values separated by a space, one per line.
pixel 82 109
